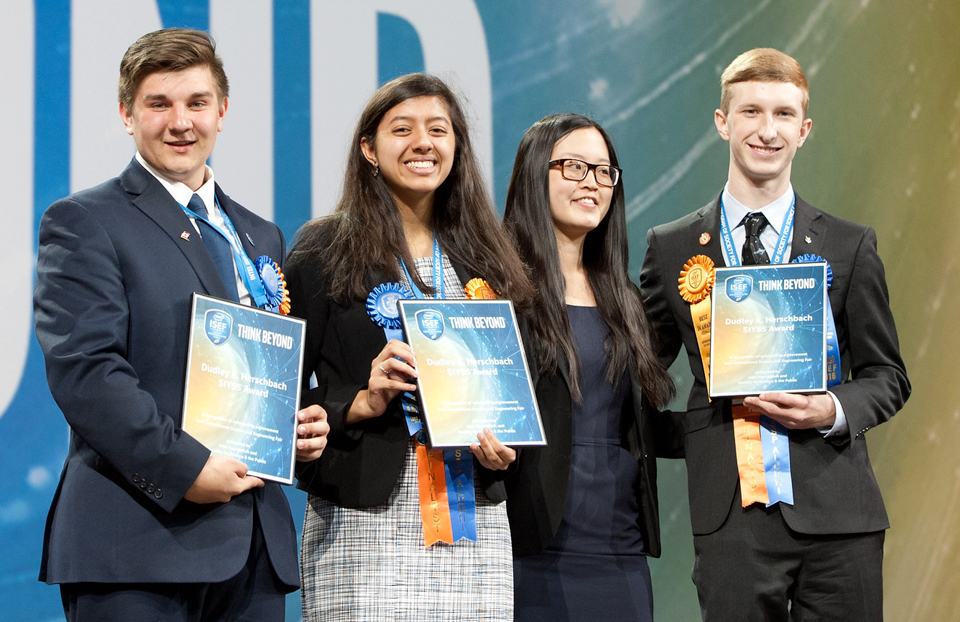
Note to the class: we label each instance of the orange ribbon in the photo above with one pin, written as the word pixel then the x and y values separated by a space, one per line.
pixel 431 476
pixel 285 303
pixel 479 289
pixel 695 283
pixel 753 479
pixel 434 504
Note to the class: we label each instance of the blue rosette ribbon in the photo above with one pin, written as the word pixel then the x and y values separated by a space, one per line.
pixel 833 346
pixel 274 285
pixel 383 309
pixel 811 258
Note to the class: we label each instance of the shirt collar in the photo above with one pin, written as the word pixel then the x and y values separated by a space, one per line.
pixel 182 193
pixel 775 212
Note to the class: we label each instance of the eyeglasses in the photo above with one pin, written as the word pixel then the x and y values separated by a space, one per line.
pixel 576 170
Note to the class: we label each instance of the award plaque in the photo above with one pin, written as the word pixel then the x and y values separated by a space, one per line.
pixel 768 330
pixel 472 372
pixel 242 389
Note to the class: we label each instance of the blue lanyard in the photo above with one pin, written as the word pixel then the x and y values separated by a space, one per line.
pixel 786 230
pixel 437 273
pixel 408 402
pixel 248 273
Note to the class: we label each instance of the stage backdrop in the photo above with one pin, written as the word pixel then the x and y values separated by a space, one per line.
pixel 885 150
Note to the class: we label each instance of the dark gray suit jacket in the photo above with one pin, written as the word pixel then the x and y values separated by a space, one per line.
pixel 112 311
pixel 835 491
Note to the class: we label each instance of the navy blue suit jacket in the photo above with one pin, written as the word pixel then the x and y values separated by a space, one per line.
pixel 835 490
pixel 112 311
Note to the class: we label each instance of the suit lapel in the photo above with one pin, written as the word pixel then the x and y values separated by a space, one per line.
pixel 240 223
pixel 154 201
pixel 808 233
pixel 707 226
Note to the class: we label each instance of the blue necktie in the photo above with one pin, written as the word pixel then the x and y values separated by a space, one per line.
pixel 217 246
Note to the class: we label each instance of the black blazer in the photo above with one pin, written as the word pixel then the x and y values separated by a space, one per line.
pixel 835 490
pixel 112 310
pixel 537 488
pixel 362 462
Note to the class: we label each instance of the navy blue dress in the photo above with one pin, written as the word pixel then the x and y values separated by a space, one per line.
pixel 595 568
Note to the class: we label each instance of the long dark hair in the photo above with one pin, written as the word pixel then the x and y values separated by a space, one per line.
pixel 529 220
pixel 365 233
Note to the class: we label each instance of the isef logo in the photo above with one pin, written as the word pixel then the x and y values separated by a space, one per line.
pixel 217 325
pixel 739 287
pixel 430 323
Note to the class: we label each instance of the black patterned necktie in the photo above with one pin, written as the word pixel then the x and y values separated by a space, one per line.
pixel 218 247
pixel 753 251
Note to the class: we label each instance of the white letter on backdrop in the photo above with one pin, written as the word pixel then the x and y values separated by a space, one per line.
pixel 16 179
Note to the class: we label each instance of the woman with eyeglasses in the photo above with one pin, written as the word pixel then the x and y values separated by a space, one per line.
pixel 414 220
pixel 583 509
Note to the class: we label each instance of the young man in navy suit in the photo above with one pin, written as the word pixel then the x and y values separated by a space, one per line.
pixel 146 523
pixel 763 554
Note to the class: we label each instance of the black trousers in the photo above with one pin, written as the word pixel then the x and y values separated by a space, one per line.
pixel 252 595
pixel 756 569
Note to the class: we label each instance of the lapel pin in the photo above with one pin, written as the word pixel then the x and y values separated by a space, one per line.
pixel 250 240
pixel 185 236
pixel 807 239
pixel 704 238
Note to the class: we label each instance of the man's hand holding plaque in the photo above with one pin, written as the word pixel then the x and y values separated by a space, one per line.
pixel 795 411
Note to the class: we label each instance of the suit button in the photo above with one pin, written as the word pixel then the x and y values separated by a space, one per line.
pixel 143 485
pixel 136 478
pixel 158 493
pixel 150 488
